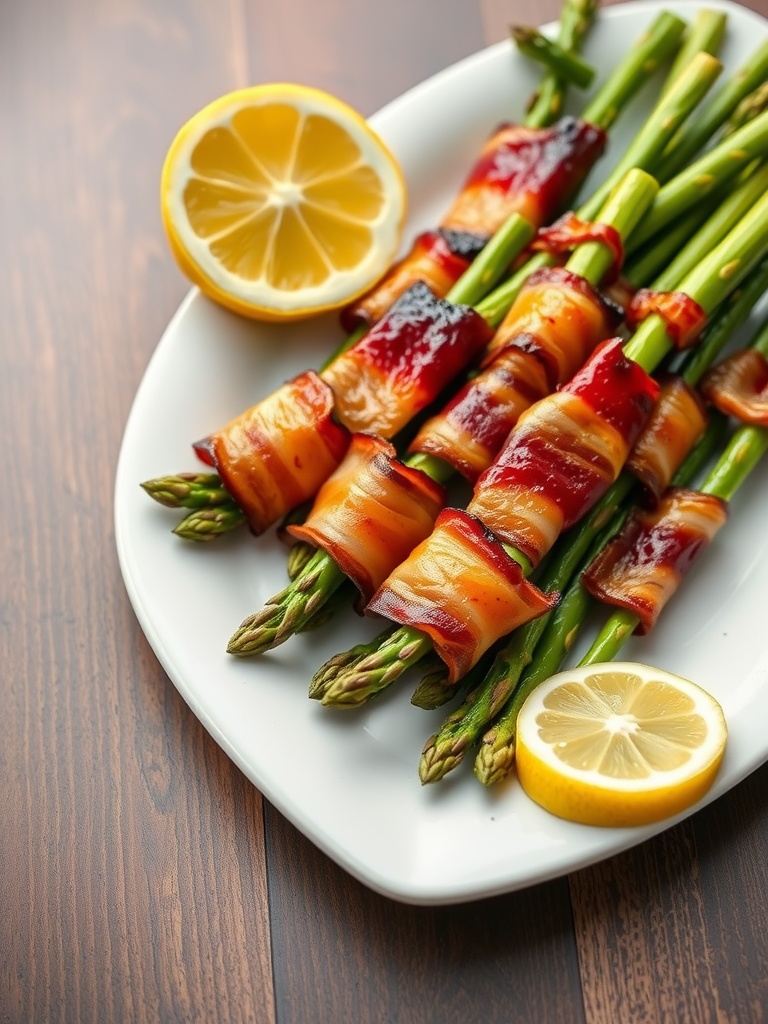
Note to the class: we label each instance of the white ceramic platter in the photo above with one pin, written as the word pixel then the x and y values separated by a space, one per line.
pixel 348 780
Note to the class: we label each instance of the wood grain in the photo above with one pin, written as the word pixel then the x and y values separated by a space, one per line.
pixel 129 839
pixel 142 878
pixel 343 953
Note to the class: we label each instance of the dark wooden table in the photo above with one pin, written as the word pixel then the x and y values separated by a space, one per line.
pixel 143 878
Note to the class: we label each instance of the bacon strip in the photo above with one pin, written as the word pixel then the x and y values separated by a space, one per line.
pixel 462 589
pixel 404 361
pixel 643 566
pixel 675 425
pixel 431 260
pixel 683 317
pixel 275 455
pixel 560 317
pixel 471 429
pixel 739 387
pixel 531 171
pixel 565 452
pixel 371 513
pixel 569 231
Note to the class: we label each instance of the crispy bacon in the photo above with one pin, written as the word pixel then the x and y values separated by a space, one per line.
pixel 404 361
pixel 559 317
pixel 431 260
pixel 276 454
pixel 676 423
pixel 470 430
pixel 739 387
pixel 683 317
pixel 371 513
pixel 641 568
pixel 531 171
pixel 564 452
pixel 569 231
pixel 462 589
pixel 553 325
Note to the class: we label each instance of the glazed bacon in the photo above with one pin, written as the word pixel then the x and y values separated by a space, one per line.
pixel 462 589
pixel 565 452
pixel 371 513
pixel 738 386
pixel 404 361
pixel 531 171
pixel 470 430
pixel 431 260
pixel 559 317
pixel 642 567
pixel 675 425
pixel 552 327
pixel 276 455
pixel 683 317
pixel 569 231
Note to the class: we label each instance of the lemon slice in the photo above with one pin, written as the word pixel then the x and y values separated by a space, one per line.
pixel 618 744
pixel 280 202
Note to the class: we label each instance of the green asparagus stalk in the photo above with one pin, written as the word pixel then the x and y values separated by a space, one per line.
pixel 576 18
pixel 187 490
pixel 433 690
pixel 709 284
pixel 643 153
pixel 664 120
pixel 206 524
pixel 668 259
pixel 288 610
pixel 748 109
pixel 704 35
pixel 694 136
pixel 496 753
pixel 701 178
pixel 566 64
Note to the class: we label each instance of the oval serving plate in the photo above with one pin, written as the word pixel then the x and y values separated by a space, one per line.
pixel 349 780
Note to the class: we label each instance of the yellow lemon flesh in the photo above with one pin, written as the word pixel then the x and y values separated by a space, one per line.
pixel 618 744
pixel 280 202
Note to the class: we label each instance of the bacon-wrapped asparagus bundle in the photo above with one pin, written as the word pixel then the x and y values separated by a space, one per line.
pixel 708 285
pixel 539 190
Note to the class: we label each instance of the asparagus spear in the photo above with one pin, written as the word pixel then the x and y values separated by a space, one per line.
pixel 747 445
pixel 749 108
pixel 668 259
pixel 209 523
pixel 655 46
pixel 701 178
pixel 692 138
pixel 281 616
pixel 566 64
pixel 705 34
pixel 709 284
pixel 576 18
pixel 187 490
